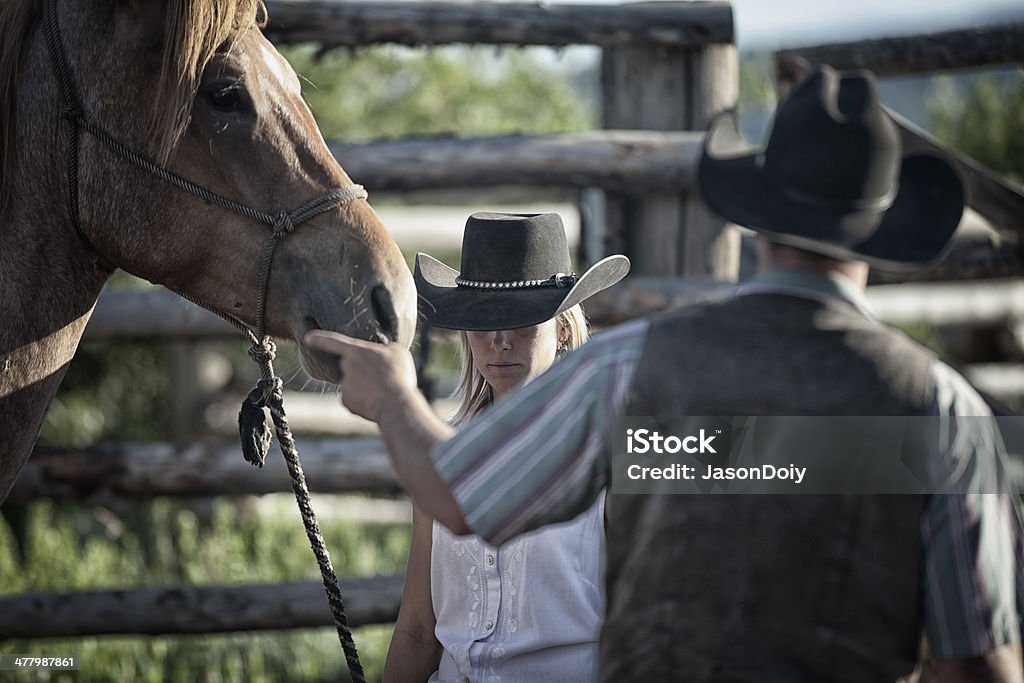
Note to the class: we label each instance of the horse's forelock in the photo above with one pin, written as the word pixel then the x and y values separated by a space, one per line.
pixel 16 18
pixel 193 33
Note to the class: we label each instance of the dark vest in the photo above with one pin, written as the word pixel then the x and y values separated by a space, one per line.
pixel 764 588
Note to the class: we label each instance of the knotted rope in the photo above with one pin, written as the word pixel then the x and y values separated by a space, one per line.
pixel 256 433
pixel 256 437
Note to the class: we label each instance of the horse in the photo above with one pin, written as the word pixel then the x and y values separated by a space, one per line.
pixel 194 93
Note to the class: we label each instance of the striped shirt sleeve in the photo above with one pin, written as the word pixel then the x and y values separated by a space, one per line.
pixel 972 540
pixel 540 455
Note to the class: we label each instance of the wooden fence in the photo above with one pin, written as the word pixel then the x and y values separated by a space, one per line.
pixel 689 73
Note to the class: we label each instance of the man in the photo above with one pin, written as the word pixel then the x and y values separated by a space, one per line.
pixel 755 588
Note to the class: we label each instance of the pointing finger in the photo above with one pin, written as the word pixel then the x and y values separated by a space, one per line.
pixel 333 342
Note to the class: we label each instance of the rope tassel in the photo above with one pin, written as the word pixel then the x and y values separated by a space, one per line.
pixel 256 430
pixel 254 425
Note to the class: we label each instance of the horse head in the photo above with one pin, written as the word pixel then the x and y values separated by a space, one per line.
pixel 198 89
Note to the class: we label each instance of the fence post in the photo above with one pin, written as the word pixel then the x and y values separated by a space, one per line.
pixel 669 89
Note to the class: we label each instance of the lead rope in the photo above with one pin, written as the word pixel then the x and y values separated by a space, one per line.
pixel 254 431
pixel 256 436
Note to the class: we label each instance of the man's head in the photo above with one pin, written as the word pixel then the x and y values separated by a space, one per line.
pixel 833 180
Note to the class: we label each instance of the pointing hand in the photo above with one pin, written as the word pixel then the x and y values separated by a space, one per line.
pixel 374 376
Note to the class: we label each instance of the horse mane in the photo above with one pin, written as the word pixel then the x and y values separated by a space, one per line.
pixel 194 30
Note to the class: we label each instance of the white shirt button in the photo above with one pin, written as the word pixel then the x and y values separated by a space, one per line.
pixel 490 625
pixel 490 559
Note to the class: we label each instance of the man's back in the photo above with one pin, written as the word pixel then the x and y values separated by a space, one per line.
pixel 807 587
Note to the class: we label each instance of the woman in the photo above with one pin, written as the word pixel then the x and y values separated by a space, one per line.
pixel 530 610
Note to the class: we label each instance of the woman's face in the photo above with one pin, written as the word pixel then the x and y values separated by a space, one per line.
pixel 507 358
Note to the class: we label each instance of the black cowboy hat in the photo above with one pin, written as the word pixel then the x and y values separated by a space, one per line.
pixel 833 180
pixel 516 272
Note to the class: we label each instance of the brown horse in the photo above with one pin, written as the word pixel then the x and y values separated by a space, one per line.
pixel 195 87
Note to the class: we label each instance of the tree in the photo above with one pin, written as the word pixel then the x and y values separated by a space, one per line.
pixel 984 121
pixel 391 91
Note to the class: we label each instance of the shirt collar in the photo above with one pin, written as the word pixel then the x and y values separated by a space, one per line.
pixel 809 283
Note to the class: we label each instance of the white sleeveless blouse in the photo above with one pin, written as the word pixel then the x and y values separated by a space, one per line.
pixel 529 611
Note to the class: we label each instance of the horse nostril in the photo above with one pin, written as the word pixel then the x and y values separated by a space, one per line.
pixel 384 312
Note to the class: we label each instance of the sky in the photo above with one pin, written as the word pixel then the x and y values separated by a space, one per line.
pixel 773 24
pixel 769 24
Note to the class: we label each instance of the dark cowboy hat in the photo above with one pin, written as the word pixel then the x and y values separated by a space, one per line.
pixel 833 180
pixel 516 272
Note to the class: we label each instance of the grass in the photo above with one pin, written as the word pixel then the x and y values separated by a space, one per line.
pixel 167 543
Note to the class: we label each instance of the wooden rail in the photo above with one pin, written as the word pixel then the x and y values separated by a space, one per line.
pixel 98 474
pixel 143 470
pixel 354 23
pixel 983 46
pixel 950 303
pixel 158 314
pixel 152 314
pixel 610 159
pixel 934 303
pixel 194 609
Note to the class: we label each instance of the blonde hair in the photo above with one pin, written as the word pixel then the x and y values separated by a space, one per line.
pixel 473 393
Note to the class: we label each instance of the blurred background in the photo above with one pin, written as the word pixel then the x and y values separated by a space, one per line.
pixel 180 396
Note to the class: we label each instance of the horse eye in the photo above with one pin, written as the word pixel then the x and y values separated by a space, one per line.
pixel 224 98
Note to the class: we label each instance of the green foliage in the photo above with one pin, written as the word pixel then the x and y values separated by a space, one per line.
pixel 391 91
pixel 927 336
pixel 444 365
pixel 233 545
pixel 757 86
pixel 112 391
pixel 985 121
